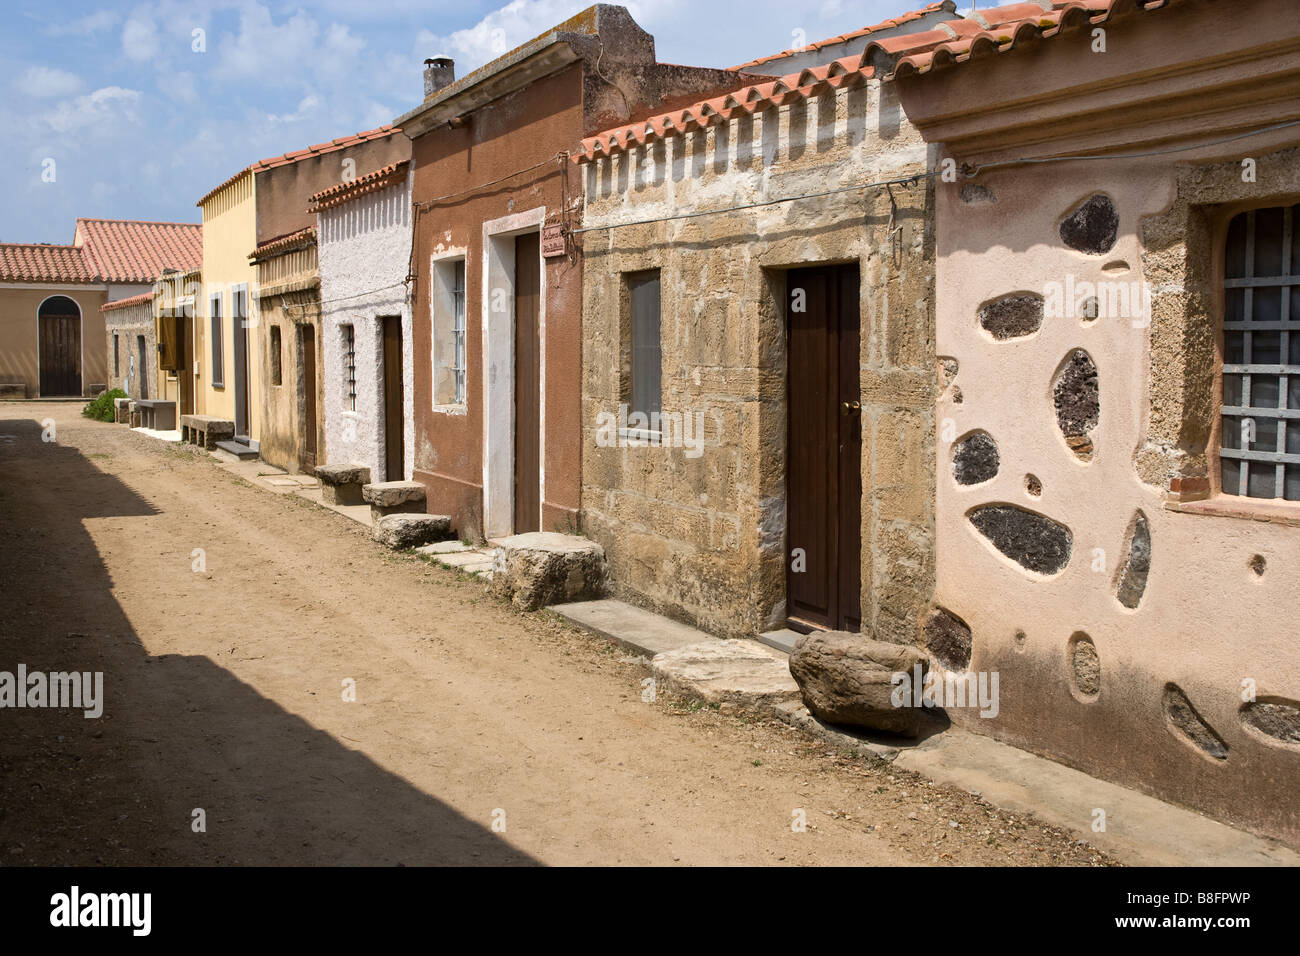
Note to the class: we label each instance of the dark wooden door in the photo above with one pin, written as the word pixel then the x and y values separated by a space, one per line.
pixel 528 375
pixel 185 351
pixel 142 354
pixel 60 355
pixel 394 417
pixel 824 443
pixel 239 316
pixel 307 459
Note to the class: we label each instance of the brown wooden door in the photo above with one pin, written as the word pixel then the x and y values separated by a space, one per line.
pixel 824 442
pixel 528 375
pixel 239 318
pixel 60 372
pixel 185 350
pixel 307 459
pixel 394 417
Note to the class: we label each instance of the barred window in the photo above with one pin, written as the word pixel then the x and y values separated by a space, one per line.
pixel 459 363
pixel 1260 443
pixel 349 367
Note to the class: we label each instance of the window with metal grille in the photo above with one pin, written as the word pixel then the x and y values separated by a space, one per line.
pixel 1259 449
pixel 459 362
pixel 218 345
pixel 349 367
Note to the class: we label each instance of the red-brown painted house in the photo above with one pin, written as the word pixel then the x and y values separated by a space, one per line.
pixel 498 280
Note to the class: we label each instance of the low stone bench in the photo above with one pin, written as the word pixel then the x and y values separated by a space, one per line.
pixel 122 411
pixel 206 430
pixel 158 415
pixel 403 531
pixel 12 390
pixel 342 484
pixel 540 569
pixel 133 413
pixel 394 498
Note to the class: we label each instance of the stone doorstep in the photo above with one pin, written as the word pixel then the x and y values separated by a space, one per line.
pixel 443 547
pixel 1141 830
pixel 394 494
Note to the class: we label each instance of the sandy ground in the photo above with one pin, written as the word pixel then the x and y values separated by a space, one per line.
pixel 224 692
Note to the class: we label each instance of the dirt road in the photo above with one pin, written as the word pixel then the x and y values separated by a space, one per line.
pixel 224 692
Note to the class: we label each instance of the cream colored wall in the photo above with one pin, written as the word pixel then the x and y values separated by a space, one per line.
pixel 19 306
pixel 229 235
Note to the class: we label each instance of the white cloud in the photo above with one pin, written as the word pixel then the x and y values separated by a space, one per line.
pixel 289 51
pixel 308 105
pixel 112 104
pixel 44 81
pixel 140 40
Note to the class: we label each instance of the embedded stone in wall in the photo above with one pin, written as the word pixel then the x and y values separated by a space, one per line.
pixel 1275 718
pixel 975 459
pixel 1085 667
pixel 1077 396
pixel 1185 722
pixel 948 638
pixel 1035 542
pixel 1133 579
pixel 1012 316
pixel 972 193
pixel 1093 227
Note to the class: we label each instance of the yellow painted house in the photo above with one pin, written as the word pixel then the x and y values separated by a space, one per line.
pixel 226 385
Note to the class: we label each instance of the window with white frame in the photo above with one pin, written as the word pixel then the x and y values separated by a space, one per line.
pixel 1259 448
pixel 450 348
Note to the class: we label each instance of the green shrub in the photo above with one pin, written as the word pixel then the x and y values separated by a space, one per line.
pixel 101 409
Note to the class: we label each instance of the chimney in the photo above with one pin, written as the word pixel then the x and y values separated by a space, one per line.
pixel 439 72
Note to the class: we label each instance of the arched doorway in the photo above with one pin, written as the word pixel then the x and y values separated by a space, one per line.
pixel 59 331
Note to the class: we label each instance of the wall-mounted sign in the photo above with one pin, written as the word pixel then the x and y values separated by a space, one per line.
pixel 553 244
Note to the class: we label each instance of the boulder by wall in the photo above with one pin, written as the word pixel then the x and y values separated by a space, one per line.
pixel 403 531
pixel 537 570
pixel 849 679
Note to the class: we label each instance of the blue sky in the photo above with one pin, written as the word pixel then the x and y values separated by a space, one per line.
pixel 140 115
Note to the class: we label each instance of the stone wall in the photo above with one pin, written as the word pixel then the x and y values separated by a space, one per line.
pixel 703 538
pixel 365 253
pixel 128 323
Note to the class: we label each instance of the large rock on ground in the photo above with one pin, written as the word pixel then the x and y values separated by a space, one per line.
pixel 400 532
pixel 849 679
pixel 745 673
pixel 540 569
pixel 393 498
pixel 342 484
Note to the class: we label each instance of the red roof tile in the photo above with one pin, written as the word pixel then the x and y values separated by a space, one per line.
pixel 38 262
pixel 143 298
pixel 346 192
pixel 124 250
pixel 280 244
pixel 343 142
pixel 998 30
pixel 745 101
pixel 901 20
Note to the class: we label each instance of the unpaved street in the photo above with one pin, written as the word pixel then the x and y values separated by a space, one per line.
pixel 224 692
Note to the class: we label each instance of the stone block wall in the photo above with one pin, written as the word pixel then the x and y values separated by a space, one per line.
pixel 703 538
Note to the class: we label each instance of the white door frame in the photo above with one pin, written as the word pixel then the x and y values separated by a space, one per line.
pixel 499 370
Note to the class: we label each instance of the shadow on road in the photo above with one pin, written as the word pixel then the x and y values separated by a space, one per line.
pixel 178 732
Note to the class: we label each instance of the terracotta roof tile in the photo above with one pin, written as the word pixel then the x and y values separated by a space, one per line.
pixel 901 20
pixel 285 243
pixel 371 182
pixel 129 251
pixel 720 109
pixel 141 299
pixel 287 159
pixel 39 262
pixel 993 31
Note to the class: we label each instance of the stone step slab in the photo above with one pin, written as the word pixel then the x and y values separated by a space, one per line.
pixel 403 531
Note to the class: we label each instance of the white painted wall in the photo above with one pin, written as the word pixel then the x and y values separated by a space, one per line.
pixel 365 252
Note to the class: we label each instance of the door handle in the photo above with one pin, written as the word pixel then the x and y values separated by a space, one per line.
pixel 852 408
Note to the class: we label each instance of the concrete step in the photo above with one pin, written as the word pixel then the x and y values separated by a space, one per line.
pixel 238 449
pixel 632 628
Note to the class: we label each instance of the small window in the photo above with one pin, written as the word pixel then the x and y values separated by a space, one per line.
pixel 450 358
pixel 117 358
pixel 644 350
pixel 275 356
pixel 218 344
pixel 349 367
pixel 1259 451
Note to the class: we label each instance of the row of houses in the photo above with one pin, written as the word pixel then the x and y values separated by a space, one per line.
pixel 967 332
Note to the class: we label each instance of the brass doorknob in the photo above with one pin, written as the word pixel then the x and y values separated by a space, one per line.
pixel 851 408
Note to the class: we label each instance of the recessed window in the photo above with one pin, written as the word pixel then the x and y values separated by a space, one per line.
pixel 276 375
pixel 1259 449
pixel 642 348
pixel 218 344
pixel 450 358
pixel 117 357
pixel 349 367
